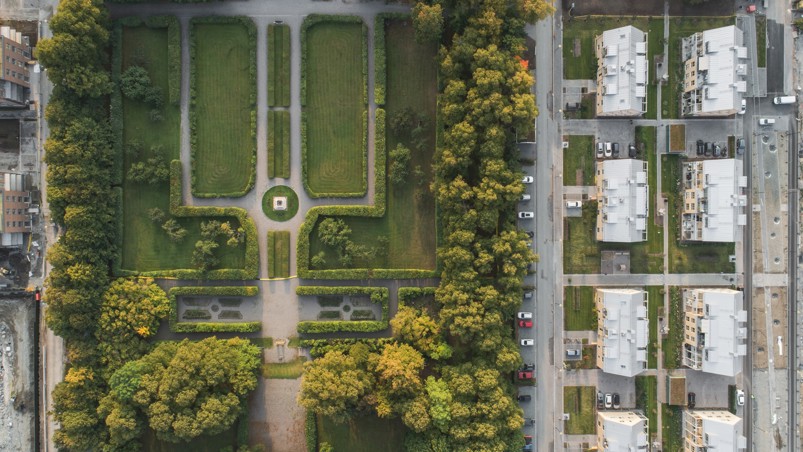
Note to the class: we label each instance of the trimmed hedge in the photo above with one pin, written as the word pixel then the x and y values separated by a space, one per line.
pixel 320 347
pixel 251 268
pixel 210 327
pixel 406 294
pixel 311 432
pixel 278 254
pixel 380 58
pixel 377 294
pixel 252 69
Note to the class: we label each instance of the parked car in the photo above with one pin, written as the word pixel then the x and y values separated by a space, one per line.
pixel 528 443
pixel 616 149
pixel 524 375
pixel 526 366
pixel 608 149
pixel 766 121
pixel 631 151
pixel 608 400
pixel 600 400
pixel 709 148
pixel 573 204
pixel 692 400
pixel 700 147
pixel 524 315
pixel 743 110
pixel 573 353
pixel 780 100
pixel 528 294
pixel 530 234
pixel 600 149
pixel 740 146
pixel 526 215
pixel 739 397
pixel 527 342
pixel 525 397
pixel 616 401
pixel 527 180
pixel 751 8
pixel 717 150
pixel 525 197
pixel 525 323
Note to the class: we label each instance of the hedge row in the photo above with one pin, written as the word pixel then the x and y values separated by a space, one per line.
pixel 320 347
pixel 252 69
pixel 210 327
pixel 407 294
pixel 251 268
pixel 311 432
pixel 377 294
pixel 380 57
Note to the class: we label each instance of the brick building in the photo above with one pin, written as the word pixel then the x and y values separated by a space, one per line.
pixel 15 54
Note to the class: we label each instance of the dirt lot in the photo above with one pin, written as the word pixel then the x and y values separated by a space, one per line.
pixel 17 377
pixel 648 8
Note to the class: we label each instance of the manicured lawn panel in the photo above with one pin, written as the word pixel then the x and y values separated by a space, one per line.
pixel 280 215
pixel 278 254
pixel 335 153
pixel 673 342
pixel 655 231
pixel 279 65
pixel 222 109
pixel 579 157
pixel 363 434
pixel 146 247
pixel 672 428
pixel 278 144
pixel 579 312
pixel 647 399
pixel 656 300
pixel 289 370
pixel 580 402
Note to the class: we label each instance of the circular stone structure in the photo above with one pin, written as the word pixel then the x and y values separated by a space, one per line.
pixel 280 203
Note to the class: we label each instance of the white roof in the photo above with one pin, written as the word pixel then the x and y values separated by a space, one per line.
pixel 622 431
pixel 722 180
pixel 722 89
pixel 725 336
pixel 623 328
pixel 721 429
pixel 622 200
pixel 626 57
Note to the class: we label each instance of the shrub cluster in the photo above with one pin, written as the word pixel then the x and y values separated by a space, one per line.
pixel 320 347
pixel 210 327
pixel 311 432
pixel 377 294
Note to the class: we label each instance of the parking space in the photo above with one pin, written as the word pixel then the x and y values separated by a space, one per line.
pixel 711 134
pixel 711 391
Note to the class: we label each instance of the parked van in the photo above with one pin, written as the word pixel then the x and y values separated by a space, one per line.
pixel 780 100
pixel 766 121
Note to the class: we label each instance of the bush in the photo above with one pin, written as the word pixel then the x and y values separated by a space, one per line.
pixel 311 432
pixel 319 347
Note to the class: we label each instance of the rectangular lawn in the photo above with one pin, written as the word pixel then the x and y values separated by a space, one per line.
pixel 334 154
pixel 146 247
pixel 408 226
pixel 278 254
pixel 223 108
pixel 279 144
pixel 578 160
pixel 579 312
pixel 278 66
pixel 363 434
pixel 581 404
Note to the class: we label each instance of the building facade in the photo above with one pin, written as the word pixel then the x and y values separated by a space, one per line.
pixel 714 330
pixel 15 54
pixel 15 203
pixel 622 431
pixel 622 208
pixel 714 200
pixel 622 72
pixel 715 72
pixel 622 331
pixel 712 430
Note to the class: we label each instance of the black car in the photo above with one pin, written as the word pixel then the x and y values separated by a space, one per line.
pixel 525 398
pixel 692 399
pixel 616 401
pixel 700 147
pixel 717 150
pixel 530 234
pixel 526 366
pixel 631 151
pixel 616 150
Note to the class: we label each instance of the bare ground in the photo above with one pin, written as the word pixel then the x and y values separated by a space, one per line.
pixel 17 410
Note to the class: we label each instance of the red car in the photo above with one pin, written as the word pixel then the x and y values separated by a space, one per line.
pixel 751 9
pixel 525 375
pixel 525 323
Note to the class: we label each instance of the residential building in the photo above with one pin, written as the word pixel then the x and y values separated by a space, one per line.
pixel 715 69
pixel 622 72
pixel 708 430
pixel 622 207
pixel 622 331
pixel 714 330
pixel 15 54
pixel 713 200
pixel 15 202
pixel 622 431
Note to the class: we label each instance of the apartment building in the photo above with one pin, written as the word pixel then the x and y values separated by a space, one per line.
pixel 622 72
pixel 15 54
pixel 622 431
pixel 715 72
pixel 622 207
pixel 622 331
pixel 15 203
pixel 712 430
pixel 714 200
pixel 714 330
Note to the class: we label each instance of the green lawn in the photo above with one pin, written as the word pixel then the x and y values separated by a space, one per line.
pixel 579 312
pixel 409 220
pixel 278 65
pixel 580 402
pixel 363 434
pixel 224 145
pixel 288 371
pixel 655 231
pixel 279 144
pixel 146 246
pixel 278 254
pixel 689 257
pixel 761 40
pixel 647 399
pixel 679 28
pixel 335 153
pixel 673 343
pixel 672 428
pixel 656 300
pixel 578 160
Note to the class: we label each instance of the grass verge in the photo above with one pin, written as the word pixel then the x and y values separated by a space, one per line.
pixel 656 301
pixel 647 399
pixel 578 160
pixel 672 428
pixel 580 402
pixel 278 254
pixel 278 65
pixel 579 312
pixel 363 434
pixel 673 343
pixel 278 144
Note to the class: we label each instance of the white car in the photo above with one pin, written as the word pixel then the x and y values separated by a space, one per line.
pixel 527 180
pixel 573 204
pixel 740 397
pixel 525 197
pixel 526 215
pixel 766 121
pixel 608 149
pixel 527 342
pixel 600 152
pixel 524 315
pixel 743 110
